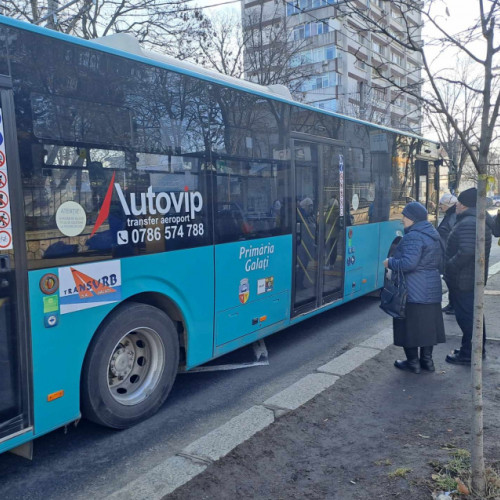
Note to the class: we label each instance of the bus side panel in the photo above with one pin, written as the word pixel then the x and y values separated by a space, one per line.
pixel 362 260
pixel 389 231
pixel 252 287
pixel 186 277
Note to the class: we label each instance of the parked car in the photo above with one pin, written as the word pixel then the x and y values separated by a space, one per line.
pixel 496 200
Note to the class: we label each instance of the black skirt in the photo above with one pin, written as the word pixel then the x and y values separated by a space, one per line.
pixel 423 326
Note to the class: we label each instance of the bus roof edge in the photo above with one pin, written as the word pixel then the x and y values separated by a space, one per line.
pixel 129 43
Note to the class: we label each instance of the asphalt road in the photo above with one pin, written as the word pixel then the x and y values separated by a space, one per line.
pixel 92 462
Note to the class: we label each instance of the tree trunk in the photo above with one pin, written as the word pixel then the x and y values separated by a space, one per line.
pixel 52 6
pixel 477 447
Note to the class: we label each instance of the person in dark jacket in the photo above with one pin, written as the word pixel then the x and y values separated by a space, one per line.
pixel 419 256
pixel 493 223
pixel 447 204
pixel 459 271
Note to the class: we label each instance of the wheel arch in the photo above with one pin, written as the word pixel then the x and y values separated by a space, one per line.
pixel 162 302
pixel 172 310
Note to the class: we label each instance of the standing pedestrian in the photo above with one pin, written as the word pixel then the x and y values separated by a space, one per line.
pixel 459 272
pixel 447 204
pixel 494 223
pixel 419 256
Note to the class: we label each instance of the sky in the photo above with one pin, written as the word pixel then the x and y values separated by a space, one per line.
pixel 213 6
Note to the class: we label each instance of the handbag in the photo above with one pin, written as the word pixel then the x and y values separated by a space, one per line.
pixel 393 296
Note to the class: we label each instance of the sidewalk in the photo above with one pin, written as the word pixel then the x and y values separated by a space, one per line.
pixel 345 443
pixel 367 420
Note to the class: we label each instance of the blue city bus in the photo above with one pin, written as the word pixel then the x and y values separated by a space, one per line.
pixel 155 215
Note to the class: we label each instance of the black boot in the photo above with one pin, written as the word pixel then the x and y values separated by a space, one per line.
pixel 411 364
pixel 426 359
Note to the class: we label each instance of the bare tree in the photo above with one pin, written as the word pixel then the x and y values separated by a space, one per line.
pixel 155 23
pixel 271 55
pixel 464 105
pixel 476 43
pixel 222 49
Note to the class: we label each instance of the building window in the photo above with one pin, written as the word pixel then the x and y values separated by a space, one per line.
pixel 399 101
pixel 303 5
pixel 323 81
pixel 398 80
pixel 326 104
pixel 311 56
pixel 379 94
pixel 360 64
pixel 395 15
pixel 312 29
pixel 397 58
pixel 378 48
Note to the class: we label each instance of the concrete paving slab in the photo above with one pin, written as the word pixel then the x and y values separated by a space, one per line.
pixel 302 391
pixel 161 480
pixel 225 438
pixel 348 361
pixel 379 341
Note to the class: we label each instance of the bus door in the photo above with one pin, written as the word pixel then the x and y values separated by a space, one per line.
pixel 14 382
pixel 427 173
pixel 319 224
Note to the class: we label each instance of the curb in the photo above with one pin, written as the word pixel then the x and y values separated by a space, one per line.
pixel 197 456
pixel 177 470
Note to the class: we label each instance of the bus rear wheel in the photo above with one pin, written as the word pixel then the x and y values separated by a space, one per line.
pixel 130 366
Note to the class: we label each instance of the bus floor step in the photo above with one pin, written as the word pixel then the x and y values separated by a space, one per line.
pixel 261 359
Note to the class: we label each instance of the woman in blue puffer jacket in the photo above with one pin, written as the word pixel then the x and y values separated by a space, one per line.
pixel 419 256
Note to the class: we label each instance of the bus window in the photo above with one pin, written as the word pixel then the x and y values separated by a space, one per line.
pixel 251 200
pixel 145 193
pixel 64 118
pixel 403 178
pixel 360 187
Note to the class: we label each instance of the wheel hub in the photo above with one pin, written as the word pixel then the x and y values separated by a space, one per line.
pixel 122 362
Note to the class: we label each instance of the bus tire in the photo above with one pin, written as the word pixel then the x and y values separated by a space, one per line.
pixel 130 366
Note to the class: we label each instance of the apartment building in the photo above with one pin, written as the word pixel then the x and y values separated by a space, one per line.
pixel 348 68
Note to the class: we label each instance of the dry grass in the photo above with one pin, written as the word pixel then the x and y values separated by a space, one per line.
pixel 455 476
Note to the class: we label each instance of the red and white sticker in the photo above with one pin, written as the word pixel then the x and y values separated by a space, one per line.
pixel 5 217
pixel 5 240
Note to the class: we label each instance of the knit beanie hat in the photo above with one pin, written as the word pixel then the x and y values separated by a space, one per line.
pixel 468 197
pixel 448 199
pixel 306 203
pixel 415 211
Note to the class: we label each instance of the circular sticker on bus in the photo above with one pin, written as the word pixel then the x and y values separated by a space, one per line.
pixel 355 201
pixel 244 290
pixel 71 218
pixel 49 283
